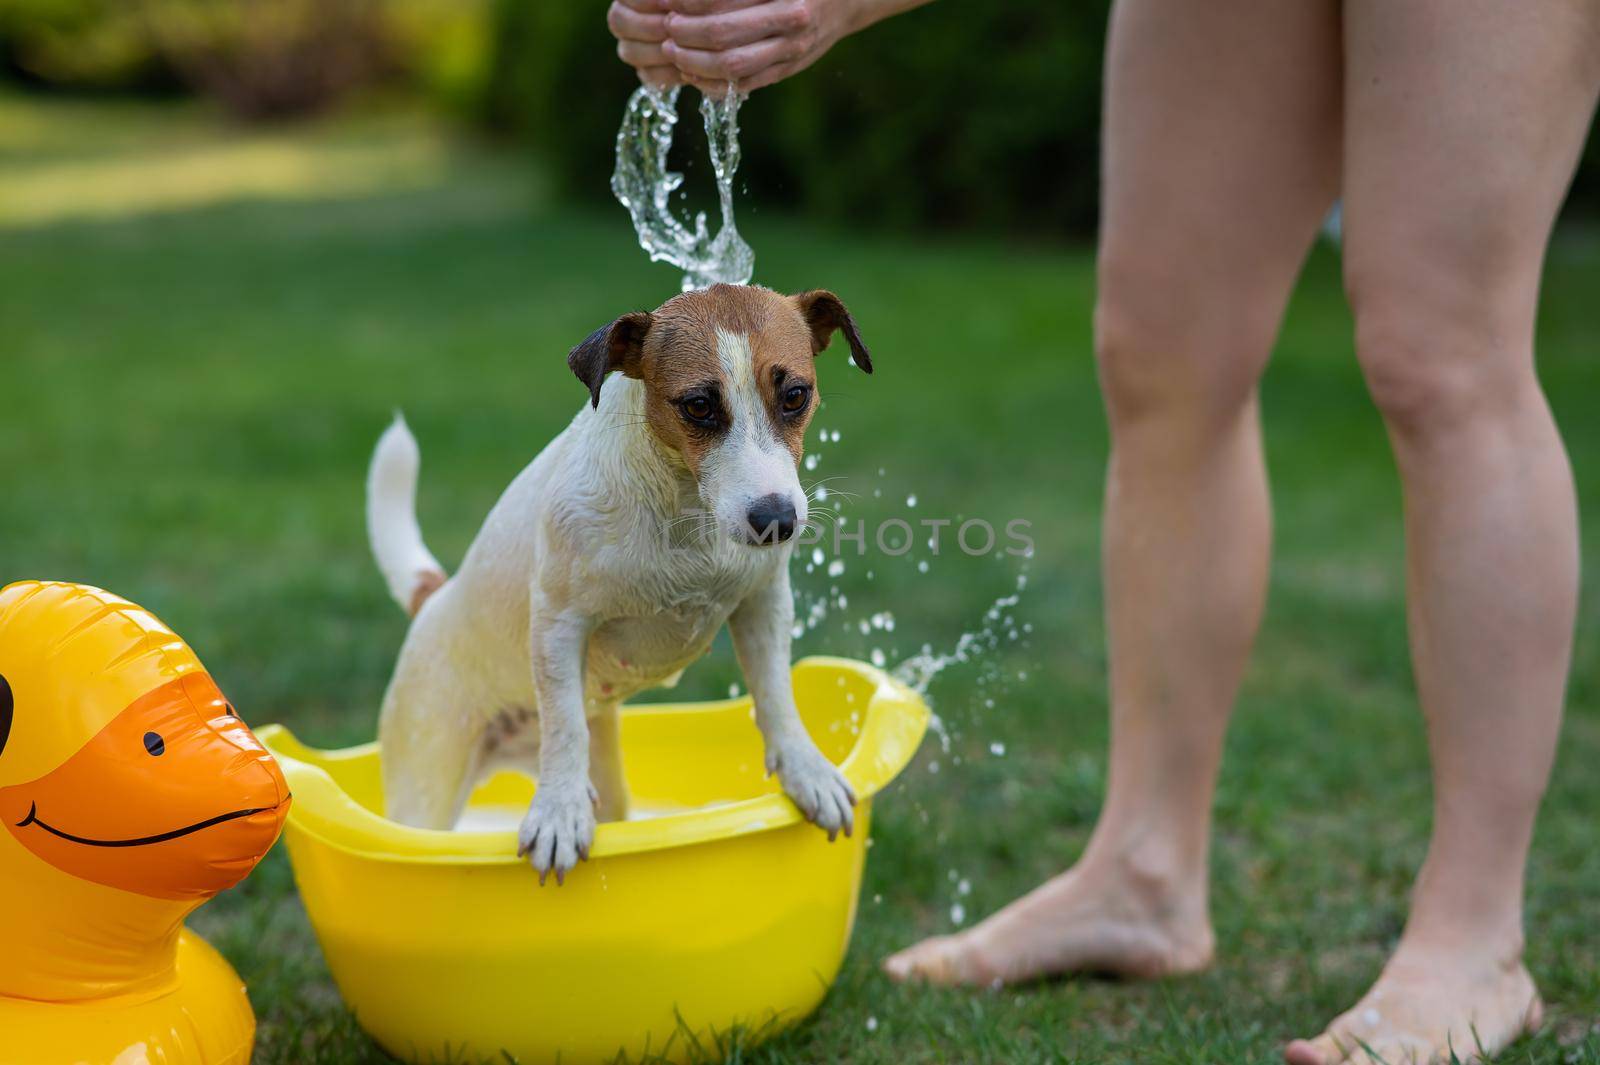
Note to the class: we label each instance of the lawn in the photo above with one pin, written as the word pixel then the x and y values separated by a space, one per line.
pixel 203 331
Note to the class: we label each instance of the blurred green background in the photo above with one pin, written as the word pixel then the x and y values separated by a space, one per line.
pixel 236 234
pixel 978 116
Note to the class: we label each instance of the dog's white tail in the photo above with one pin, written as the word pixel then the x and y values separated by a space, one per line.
pixel 407 564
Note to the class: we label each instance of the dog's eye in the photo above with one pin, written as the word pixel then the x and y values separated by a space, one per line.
pixel 795 400
pixel 699 409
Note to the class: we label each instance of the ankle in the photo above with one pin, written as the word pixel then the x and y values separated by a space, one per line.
pixel 1164 881
pixel 1435 946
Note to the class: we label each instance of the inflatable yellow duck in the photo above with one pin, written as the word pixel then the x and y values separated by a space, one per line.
pixel 130 792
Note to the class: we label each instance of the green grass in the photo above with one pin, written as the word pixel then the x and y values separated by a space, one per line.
pixel 187 402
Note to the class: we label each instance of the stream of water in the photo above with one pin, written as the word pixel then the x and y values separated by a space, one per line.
pixel 645 186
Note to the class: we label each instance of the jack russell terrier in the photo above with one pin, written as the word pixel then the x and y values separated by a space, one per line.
pixel 664 510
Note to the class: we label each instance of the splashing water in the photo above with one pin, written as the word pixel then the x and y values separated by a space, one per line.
pixel 644 185
pixel 919 671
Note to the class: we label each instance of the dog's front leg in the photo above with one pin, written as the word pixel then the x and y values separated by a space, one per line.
pixel 559 827
pixel 761 630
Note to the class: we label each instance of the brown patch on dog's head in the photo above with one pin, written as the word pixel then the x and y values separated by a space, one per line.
pixel 688 353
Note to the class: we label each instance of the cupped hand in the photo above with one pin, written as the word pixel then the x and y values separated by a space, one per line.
pixel 750 43
pixel 640 27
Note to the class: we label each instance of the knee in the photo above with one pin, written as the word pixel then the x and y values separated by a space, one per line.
pixel 1167 360
pixel 1435 364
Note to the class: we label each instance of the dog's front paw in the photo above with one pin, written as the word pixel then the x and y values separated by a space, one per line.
pixel 816 786
pixel 558 830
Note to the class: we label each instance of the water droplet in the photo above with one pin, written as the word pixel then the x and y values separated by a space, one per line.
pixel 872 1024
pixel 911 500
pixel 878 658
pixel 964 888
pixel 922 567
pixel 811 461
pixel 817 556
pixel 958 914
pixel 822 492
pixel 997 748
pixel 733 691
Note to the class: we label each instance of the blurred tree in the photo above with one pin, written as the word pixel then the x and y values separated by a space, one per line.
pixel 261 58
pixel 96 44
pixel 271 58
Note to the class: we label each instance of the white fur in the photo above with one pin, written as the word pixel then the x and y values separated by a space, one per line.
pixel 392 514
pixel 595 576
pixel 750 462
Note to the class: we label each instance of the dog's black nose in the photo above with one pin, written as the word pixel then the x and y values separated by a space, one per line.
pixel 771 519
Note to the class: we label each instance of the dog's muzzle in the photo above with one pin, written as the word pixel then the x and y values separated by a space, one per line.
pixel 771 519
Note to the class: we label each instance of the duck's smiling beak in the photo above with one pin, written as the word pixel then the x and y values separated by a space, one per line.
pixel 175 798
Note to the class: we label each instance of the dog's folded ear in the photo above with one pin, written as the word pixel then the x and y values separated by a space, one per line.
pixel 824 312
pixel 617 346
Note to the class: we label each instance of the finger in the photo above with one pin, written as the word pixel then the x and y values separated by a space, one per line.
pixel 735 64
pixel 660 77
pixel 708 7
pixel 630 25
pixel 639 54
pixel 745 86
pixel 720 32
pixel 714 89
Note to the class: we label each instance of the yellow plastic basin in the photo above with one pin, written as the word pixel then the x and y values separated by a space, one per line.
pixel 725 909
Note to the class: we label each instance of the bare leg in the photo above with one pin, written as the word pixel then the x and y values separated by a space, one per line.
pixel 1465 119
pixel 1221 157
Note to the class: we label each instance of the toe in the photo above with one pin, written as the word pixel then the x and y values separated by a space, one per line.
pixel 935 960
pixel 1533 1016
pixel 905 965
pixel 1323 1050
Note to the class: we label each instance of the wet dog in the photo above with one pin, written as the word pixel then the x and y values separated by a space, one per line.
pixel 666 509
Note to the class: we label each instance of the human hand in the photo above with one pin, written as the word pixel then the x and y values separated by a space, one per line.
pixel 750 43
pixel 640 27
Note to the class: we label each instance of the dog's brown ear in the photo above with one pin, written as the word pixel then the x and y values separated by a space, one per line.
pixel 617 346
pixel 824 312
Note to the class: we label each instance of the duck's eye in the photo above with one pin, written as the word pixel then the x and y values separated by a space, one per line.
pixel 7 711
pixel 796 399
pixel 700 410
pixel 155 744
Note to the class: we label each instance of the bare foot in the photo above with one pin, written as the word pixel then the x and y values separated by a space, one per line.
pixel 1079 921
pixel 1423 1009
